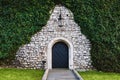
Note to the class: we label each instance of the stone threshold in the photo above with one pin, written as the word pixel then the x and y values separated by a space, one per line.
pixel 78 77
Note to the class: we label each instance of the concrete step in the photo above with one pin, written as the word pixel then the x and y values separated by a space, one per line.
pixel 61 74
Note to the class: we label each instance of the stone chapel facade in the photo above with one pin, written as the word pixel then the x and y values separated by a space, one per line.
pixel 60 30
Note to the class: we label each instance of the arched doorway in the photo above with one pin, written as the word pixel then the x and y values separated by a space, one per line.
pixel 49 51
pixel 60 55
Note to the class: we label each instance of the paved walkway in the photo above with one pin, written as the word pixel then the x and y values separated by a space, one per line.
pixel 61 74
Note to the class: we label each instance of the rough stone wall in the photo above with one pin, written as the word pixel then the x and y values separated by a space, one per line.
pixel 31 55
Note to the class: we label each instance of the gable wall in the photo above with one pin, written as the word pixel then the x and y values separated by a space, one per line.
pixel 31 55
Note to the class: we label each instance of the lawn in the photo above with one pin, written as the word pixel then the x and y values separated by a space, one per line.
pixel 95 75
pixel 20 74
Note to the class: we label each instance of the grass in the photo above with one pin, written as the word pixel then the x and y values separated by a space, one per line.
pixel 20 74
pixel 95 75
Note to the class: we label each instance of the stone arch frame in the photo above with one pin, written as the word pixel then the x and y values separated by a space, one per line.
pixel 49 51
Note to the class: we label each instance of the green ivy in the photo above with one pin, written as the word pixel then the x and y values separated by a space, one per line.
pixel 19 20
pixel 99 21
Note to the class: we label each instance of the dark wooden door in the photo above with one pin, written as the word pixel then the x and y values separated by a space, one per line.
pixel 60 55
